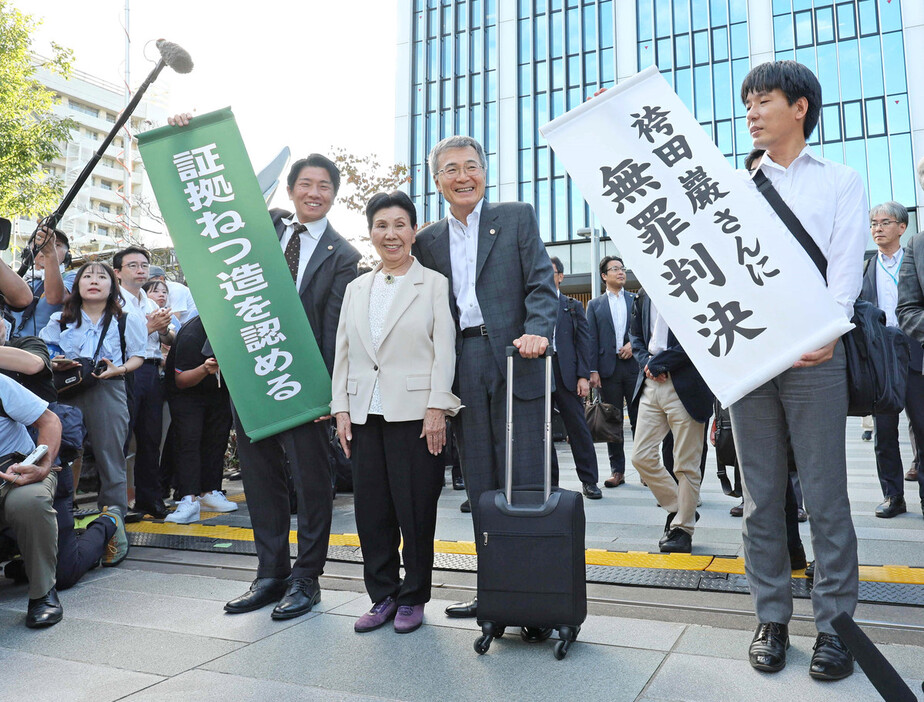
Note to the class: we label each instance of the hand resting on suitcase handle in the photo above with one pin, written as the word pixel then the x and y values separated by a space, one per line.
pixel 531 345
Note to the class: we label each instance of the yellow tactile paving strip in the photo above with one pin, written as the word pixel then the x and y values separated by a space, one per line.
pixel 622 559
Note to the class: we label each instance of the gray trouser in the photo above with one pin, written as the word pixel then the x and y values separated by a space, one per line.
pixel 105 414
pixel 29 512
pixel 809 405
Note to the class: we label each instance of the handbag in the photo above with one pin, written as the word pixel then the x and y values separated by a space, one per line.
pixel 77 379
pixel 877 355
pixel 603 419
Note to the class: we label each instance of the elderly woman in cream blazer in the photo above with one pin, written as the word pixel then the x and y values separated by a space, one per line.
pixel 392 381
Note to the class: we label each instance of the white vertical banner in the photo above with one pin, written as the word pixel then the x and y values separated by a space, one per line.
pixel 735 287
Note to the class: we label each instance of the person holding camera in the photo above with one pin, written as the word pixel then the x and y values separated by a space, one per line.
pixel 93 325
pixel 47 279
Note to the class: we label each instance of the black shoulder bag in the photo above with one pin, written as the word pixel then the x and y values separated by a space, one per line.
pixel 75 380
pixel 877 355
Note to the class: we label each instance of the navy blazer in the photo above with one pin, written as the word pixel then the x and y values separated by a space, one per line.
pixel 572 342
pixel 692 390
pixel 870 293
pixel 603 339
pixel 331 267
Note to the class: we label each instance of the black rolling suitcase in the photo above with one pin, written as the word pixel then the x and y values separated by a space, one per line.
pixel 531 568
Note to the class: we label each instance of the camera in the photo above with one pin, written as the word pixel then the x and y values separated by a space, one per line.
pixel 100 367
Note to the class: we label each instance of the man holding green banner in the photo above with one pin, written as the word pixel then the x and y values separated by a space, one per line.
pixel 283 355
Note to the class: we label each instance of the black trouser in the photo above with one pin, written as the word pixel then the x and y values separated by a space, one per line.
pixel 396 485
pixel 200 427
pixel 77 554
pixel 147 424
pixel 263 470
pixel 615 390
pixel 571 409
pixel 888 455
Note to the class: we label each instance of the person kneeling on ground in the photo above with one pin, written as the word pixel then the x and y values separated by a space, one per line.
pixel 27 495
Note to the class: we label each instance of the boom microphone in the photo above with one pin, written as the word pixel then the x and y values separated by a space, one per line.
pixel 174 56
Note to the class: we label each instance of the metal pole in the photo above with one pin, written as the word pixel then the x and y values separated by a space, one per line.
pixel 127 137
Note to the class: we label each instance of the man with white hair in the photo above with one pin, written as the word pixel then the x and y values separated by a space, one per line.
pixel 888 222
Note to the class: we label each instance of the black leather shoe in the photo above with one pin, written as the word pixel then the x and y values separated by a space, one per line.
pixel 831 660
pixel 810 570
pixel 591 491
pixel 667 526
pixel 301 595
pixel 263 591
pixel 156 509
pixel 797 558
pixel 737 510
pixel 465 507
pixel 44 611
pixel 677 541
pixel 462 610
pixel 535 634
pixel 768 647
pixel 458 483
pixel 891 507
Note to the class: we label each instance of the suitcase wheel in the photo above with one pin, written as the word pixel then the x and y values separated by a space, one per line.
pixel 482 644
pixel 567 635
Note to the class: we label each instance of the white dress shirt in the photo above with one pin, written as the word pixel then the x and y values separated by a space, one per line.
pixel 308 240
pixel 463 256
pixel 887 268
pixel 142 306
pixel 830 201
pixel 618 312
pixel 180 301
pixel 659 329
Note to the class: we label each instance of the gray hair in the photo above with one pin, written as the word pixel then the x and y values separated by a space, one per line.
pixel 920 171
pixel 893 210
pixel 454 142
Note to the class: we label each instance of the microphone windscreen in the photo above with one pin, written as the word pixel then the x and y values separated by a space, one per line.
pixel 175 56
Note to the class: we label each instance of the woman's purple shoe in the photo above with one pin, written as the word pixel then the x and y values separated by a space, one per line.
pixel 409 618
pixel 380 614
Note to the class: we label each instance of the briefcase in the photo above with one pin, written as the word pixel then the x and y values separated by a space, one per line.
pixel 531 569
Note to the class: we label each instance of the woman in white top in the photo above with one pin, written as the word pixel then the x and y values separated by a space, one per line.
pixel 392 391
pixel 91 312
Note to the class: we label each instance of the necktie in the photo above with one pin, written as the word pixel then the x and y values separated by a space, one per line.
pixel 294 247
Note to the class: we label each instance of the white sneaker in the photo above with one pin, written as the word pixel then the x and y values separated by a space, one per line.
pixel 215 501
pixel 187 511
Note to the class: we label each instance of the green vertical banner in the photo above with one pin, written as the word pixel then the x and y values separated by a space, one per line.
pixel 214 210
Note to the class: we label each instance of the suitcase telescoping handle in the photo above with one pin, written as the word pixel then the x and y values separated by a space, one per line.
pixel 547 480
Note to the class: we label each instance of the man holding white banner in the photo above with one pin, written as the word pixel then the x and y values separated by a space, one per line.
pixel 808 401
pixel 732 283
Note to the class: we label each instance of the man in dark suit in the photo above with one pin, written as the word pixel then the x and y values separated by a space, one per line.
pixel 571 368
pixel 671 396
pixel 501 280
pixel 613 368
pixel 888 222
pixel 321 263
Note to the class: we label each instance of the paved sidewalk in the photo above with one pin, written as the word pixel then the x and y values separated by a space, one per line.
pixel 149 630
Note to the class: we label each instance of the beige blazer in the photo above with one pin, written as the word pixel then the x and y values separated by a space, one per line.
pixel 416 361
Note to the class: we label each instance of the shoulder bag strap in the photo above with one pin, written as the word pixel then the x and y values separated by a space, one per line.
pixel 791 221
pixel 102 337
pixel 123 318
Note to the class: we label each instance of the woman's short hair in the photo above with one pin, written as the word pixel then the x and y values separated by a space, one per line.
pixel 380 201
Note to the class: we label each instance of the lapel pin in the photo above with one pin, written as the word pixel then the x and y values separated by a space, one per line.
pixel 492 232
pixel 330 248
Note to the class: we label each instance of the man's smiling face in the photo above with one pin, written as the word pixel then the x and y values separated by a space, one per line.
pixel 466 189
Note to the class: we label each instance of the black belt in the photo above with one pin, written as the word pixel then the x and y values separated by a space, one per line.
pixel 153 361
pixel 474 331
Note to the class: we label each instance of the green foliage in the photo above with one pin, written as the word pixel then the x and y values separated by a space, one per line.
pixel 364 176
pixel 29 134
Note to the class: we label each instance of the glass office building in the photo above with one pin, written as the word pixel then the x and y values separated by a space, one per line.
pixel 499 69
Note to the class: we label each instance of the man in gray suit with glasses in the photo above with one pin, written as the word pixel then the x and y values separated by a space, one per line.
pixel 503 293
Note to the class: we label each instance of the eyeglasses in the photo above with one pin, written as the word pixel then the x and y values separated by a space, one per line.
pixel 882 223
pixel 451 171
pixel 137 266
pixel 615 268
